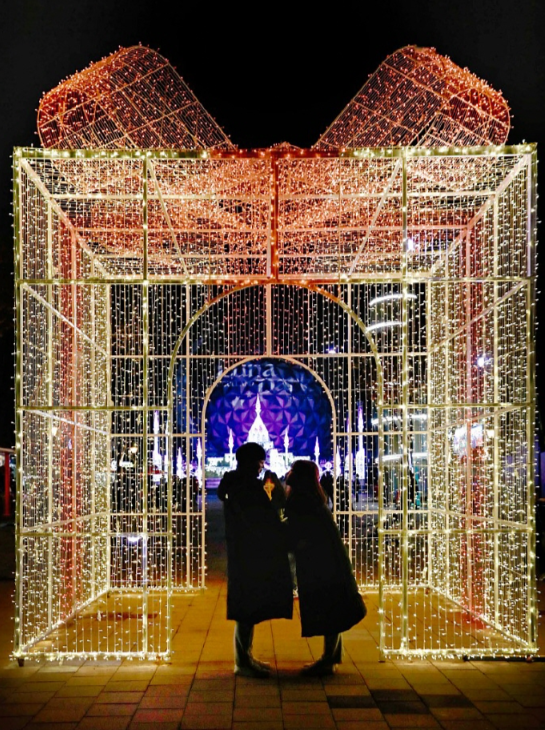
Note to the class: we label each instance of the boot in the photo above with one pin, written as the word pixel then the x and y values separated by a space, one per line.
pixel 254 669
pixel 245 664
pixel 327 663
pixel 321 668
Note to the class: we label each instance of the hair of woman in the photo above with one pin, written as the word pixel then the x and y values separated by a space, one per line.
pixel 306 492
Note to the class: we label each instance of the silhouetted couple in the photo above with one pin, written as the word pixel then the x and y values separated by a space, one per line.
pixel 259 537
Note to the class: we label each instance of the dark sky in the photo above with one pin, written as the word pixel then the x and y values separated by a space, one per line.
pixel 267 72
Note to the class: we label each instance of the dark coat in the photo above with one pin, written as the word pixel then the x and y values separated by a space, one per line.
pixel 329 600
pixel 259 585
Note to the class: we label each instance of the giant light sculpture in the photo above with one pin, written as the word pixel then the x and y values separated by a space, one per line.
pixel 153 257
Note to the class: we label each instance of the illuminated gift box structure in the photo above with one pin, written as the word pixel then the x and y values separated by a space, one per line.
pixel 401 278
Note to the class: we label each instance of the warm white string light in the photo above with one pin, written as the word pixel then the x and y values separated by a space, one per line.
pixel 143 277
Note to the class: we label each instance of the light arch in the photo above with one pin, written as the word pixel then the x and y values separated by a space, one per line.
pixel 351 316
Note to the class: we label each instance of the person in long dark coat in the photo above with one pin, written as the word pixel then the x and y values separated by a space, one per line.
pixel 259 584
pixel 329 599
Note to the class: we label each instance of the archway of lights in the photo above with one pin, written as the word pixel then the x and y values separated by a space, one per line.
pixel 401 279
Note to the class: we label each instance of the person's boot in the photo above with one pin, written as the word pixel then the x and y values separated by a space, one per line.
pixel 333 648
pixel 245 664
pixel 326 664
pixel 253 668
pixel 322 668
pixel 263 665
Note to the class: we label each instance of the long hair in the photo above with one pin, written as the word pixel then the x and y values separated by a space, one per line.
pixel 306 493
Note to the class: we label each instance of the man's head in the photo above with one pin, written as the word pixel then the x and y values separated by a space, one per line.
pixel 251 457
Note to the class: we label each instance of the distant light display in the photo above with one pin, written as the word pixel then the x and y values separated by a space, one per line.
pixel 291 399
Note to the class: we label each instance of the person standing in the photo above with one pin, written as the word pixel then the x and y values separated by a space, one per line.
pixel 259 584
pixel 329 599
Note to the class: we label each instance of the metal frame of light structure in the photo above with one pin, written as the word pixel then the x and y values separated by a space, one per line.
pixel 132 266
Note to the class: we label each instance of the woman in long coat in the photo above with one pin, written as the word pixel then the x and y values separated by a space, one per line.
pixel 259 585
pixel 329 600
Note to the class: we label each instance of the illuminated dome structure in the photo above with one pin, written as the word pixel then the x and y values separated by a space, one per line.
pixel 278 404
pixel 401 279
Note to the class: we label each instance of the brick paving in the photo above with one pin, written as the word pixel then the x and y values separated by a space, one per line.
pixel 198 691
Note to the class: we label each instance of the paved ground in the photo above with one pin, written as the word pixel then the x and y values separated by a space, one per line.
pixel 198 689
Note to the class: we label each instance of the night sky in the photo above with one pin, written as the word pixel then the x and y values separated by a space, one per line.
pixel 268 73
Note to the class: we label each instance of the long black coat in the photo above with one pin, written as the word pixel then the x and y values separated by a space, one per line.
pixel 329 600
pixel 259 585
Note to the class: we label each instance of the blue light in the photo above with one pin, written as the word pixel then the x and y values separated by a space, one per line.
pixel 290 398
